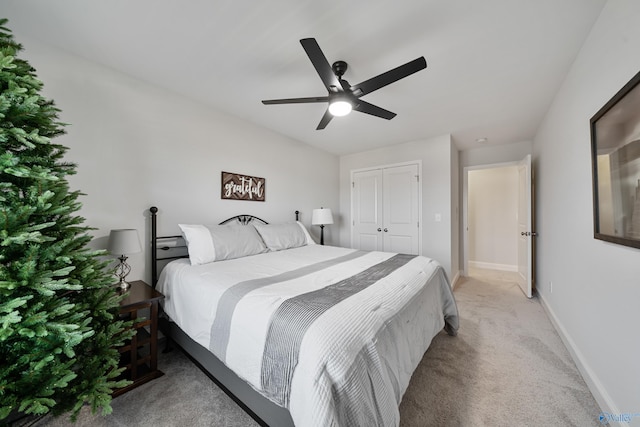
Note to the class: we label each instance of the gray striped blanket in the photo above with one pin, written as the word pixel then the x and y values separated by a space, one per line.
pixel 331 334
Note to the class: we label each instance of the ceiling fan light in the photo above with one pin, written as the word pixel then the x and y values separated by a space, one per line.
pixel 340 108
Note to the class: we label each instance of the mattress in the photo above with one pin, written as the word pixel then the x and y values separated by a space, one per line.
pixel 332 334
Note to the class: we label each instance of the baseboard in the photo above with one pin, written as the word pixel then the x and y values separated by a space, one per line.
pixel 454 282
pixel 595 386
pixel 493 266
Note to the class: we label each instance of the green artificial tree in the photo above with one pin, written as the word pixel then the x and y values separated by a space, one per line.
pixel 59 325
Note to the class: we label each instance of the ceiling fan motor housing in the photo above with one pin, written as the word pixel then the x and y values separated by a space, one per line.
pixel 339 68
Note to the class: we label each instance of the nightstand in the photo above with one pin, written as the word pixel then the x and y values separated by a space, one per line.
pixel 140 355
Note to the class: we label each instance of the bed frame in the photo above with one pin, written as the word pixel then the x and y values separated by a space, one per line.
pixel 261 409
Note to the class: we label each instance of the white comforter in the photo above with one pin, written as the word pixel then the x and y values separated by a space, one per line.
pixel 352 344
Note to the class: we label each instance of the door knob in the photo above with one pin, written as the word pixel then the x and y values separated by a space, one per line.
pixel 385 230
pixel 379 229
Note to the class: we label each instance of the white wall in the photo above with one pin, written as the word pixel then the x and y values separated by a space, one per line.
pixel 596 285
pixel 138 145
pixel 435 154
pixel 494 154
pixel 493 218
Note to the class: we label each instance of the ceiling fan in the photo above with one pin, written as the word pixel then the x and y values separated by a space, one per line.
pixel 343 97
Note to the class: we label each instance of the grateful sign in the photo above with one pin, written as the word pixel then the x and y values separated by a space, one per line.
pixel 242 187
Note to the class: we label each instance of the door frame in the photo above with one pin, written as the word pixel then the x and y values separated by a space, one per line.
pixel 465 211
pixel 390 165
pixel 528 286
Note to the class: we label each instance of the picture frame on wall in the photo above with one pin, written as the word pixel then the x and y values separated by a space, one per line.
pixel 615 160
pixel 235 186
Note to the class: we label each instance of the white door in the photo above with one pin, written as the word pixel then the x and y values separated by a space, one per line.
pixel 385 209
pixel 366 201
pixel 525 229
pixel 400 209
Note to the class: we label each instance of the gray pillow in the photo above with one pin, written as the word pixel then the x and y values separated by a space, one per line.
pixel 219 242
pixel 282 236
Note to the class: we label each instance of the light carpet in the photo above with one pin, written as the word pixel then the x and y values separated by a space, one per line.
pixel 506 367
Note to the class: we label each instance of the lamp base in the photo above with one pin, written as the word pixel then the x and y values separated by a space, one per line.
pixel 122 269
pixel 122 285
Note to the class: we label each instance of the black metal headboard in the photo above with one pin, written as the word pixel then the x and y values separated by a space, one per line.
pixel 156 240
pixel 243 219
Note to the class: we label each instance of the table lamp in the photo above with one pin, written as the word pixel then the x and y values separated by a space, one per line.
pixel 123 242
pixel 321 217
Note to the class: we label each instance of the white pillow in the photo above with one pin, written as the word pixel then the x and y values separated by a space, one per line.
pixel 307 236
pixel 220 242
pixel 284 236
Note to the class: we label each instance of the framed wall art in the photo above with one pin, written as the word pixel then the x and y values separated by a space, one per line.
pixel 242 187
pixel 615 160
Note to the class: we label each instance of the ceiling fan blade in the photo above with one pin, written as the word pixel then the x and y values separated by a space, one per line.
pixel 296 100
pixel 325 120
pixel 374 110
pixel 321 64
pixel 389 77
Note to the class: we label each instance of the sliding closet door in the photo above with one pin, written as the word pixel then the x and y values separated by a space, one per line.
pixel 385 209
pixel 400 209
pixel 366 199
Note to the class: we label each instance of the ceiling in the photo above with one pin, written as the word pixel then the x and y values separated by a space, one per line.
pixel 494 66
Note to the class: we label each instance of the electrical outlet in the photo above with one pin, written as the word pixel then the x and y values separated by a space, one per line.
pixel 550 287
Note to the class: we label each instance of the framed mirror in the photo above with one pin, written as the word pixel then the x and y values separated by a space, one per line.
pixel 615 158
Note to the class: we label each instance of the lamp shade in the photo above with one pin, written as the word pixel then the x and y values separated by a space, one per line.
pixel 124 242
pixel 321 217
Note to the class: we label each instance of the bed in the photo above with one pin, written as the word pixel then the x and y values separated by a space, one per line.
pixel 298 333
